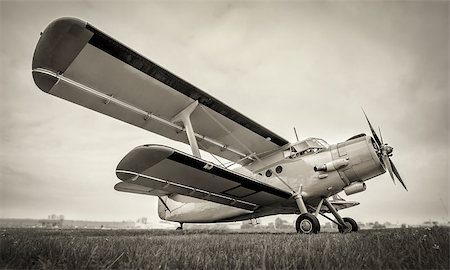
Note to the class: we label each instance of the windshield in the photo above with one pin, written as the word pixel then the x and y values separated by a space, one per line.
pixel 322 142
pixel 306 147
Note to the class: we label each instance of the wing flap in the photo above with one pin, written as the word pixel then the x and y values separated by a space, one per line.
pixel 167 169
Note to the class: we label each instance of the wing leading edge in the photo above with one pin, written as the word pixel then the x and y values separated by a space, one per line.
pixel 156 168
pixel 77 62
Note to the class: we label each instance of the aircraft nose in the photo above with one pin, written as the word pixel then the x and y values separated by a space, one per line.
pixel 363 162
pixel 388 149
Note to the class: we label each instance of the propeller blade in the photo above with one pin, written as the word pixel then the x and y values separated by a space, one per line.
pixel 397 174
pixel 373 131
pixel 387 165
pixel 381 137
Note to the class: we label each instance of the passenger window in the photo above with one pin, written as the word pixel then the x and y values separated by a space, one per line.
pixel 268 173
pixel 279 169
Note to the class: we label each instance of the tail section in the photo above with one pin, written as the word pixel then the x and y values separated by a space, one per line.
pixel 162 207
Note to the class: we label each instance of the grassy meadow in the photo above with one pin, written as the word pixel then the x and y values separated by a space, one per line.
pixel 412 248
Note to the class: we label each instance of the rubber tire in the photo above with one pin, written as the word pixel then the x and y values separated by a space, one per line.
pixel 313 221
pixel 352 222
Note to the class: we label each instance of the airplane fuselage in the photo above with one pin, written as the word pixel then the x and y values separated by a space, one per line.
pixel 318 169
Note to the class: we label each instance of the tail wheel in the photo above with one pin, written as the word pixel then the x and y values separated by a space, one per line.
pixel 351 226
pixel 307 224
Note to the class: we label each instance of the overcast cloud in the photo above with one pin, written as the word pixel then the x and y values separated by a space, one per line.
pixel 304 64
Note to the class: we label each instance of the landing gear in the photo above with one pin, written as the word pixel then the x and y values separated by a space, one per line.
pixel 350 226
pixel 307 224
pixel 180 228
pixel 345 225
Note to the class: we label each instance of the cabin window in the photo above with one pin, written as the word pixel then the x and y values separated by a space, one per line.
pixel 279 169
pixel 268 173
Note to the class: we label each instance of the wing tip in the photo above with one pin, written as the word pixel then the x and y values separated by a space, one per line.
pixel 45 82
pixel 143 157
pixel 59 44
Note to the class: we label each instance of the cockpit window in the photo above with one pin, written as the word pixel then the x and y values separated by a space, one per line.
pixel 306 147
pixel 322 142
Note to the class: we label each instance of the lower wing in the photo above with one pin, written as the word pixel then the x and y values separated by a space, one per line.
pixel 160 170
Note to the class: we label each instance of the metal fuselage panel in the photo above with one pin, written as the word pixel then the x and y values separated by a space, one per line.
pixel 362 164
pixel 192 210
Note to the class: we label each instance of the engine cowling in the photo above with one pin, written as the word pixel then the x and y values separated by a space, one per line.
pixel 363 161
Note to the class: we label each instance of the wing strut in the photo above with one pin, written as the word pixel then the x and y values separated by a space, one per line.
pixel 185 117
pixel 164 203
pixel 295 194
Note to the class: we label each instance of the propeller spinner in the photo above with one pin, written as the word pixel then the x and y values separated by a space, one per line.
pixel 385 152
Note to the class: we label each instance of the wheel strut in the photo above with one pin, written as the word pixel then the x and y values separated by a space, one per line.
pixel 299 200
pixel 345 225
pixel 306 223
pixel 334 212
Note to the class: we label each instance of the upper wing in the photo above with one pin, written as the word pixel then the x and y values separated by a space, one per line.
pixel 75 61
pixel 159 170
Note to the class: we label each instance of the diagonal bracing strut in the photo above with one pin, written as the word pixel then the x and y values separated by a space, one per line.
pixel 185 117
pixel 334 212
pixel 296 195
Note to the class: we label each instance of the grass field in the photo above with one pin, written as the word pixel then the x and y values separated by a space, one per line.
pixel 393 248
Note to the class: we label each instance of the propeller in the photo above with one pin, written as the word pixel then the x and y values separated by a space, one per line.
pixel 385 152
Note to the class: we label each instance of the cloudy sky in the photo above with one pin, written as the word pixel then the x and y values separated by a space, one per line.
pixel 311 65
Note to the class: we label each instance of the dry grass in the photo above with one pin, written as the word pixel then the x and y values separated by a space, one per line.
pixel 75 249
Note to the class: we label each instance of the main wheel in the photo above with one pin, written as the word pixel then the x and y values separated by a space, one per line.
pixel 307 223
pixel 351 226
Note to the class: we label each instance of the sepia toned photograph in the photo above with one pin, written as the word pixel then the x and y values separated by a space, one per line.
pixel 224 134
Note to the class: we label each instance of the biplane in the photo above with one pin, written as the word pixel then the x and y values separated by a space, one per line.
pixel 264 174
